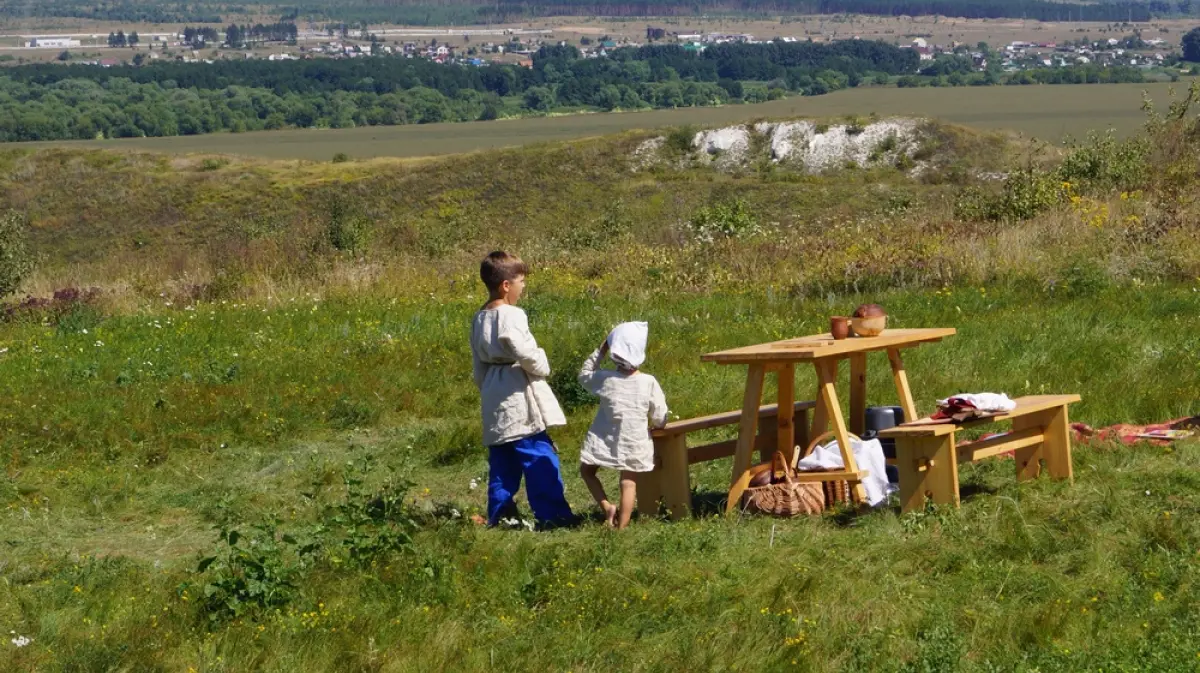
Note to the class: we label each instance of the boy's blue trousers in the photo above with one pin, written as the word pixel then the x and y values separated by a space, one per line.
pixel 535 457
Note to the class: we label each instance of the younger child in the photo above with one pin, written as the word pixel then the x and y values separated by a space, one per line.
pixel 518 405
pixel 630 402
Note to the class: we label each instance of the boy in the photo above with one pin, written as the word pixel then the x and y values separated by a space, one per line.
pixel 518 405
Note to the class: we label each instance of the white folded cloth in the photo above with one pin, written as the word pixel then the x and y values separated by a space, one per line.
pixel 868 455
pixel 984 401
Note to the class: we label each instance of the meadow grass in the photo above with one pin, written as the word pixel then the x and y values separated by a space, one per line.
pixel 128 443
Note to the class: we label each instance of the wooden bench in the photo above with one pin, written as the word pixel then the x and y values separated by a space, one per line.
pixel 670 483
pixel 927 456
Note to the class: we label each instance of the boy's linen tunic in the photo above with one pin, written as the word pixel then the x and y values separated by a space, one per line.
pixel 629 404
pixel 510 371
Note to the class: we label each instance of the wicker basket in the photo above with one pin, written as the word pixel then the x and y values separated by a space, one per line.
pixel 783 496
pixel 835 491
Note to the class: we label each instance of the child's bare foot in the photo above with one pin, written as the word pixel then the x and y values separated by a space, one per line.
pixel 610 514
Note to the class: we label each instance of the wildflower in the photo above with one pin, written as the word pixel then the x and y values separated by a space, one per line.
pixel 21 641
pixel 454 514
pixel 473 485
pixel 1158 597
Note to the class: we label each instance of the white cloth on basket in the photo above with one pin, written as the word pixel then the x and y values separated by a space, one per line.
pixel 868 455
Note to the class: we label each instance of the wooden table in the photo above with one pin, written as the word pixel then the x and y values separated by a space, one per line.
pixel 825 354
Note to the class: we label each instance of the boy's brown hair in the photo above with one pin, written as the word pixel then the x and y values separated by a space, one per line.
pixel 499 267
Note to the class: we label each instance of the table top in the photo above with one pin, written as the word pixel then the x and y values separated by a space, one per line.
pixel 824 345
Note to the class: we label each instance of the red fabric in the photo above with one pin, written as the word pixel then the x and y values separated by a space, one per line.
pixel 1128 434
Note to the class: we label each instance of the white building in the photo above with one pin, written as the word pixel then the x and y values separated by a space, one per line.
pixel 52 43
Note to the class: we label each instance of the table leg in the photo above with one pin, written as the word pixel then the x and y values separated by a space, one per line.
pixel 826 374
pixel 746 436
pixel 784 440
pixel 820 420
pixel 901 378
pixel 858 393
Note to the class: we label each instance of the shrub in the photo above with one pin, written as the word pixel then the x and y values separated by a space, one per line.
pixel 1107 163
pixel 565 384
pixel 679 140
pixel 731 218
pixel 341 158
pixel 1026 193
pixel 252 571
pixel 346 231
pixel 17 261
pixel 367 522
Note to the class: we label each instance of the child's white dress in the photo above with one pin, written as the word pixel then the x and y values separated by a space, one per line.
pixel 629 405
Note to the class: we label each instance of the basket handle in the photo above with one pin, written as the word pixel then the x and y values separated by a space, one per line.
pixel 779 463
pixel 821 439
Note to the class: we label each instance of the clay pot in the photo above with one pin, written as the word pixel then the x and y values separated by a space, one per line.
pixel 839 327
pixel 869 327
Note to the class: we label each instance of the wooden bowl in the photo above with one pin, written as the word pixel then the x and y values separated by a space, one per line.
pixel 869 327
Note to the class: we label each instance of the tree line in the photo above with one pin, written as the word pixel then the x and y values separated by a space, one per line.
pixel 240 36
pixel 48 102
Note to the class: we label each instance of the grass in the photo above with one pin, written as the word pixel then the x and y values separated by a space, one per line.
pixel 1047 112
pixel 124 456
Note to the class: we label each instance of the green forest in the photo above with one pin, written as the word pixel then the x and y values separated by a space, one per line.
pixel 64 102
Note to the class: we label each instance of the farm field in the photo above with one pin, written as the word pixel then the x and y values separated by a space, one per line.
pixel 1046 112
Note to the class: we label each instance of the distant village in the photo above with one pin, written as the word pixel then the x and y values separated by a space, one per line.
pixel 518 46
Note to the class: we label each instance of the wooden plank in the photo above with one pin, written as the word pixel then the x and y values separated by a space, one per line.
pixel 900 378
pixel 677 491
pixel 1028 405
pixel 838 475
pixel 785 431
pixel 858 393
pixel 718 420
pixel 928 469
pixel 821 346
pixel 746 435
pixel 1009 441
pixel 725 449
pixel 827 376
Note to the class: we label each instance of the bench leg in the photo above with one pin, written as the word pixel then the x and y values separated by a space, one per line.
pixel 1055 448
pixel 649 486
pixel 1057 432
pixel 928 468
pixel 676 491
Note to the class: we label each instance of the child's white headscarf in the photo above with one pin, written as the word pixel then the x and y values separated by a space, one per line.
pixel 627 344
